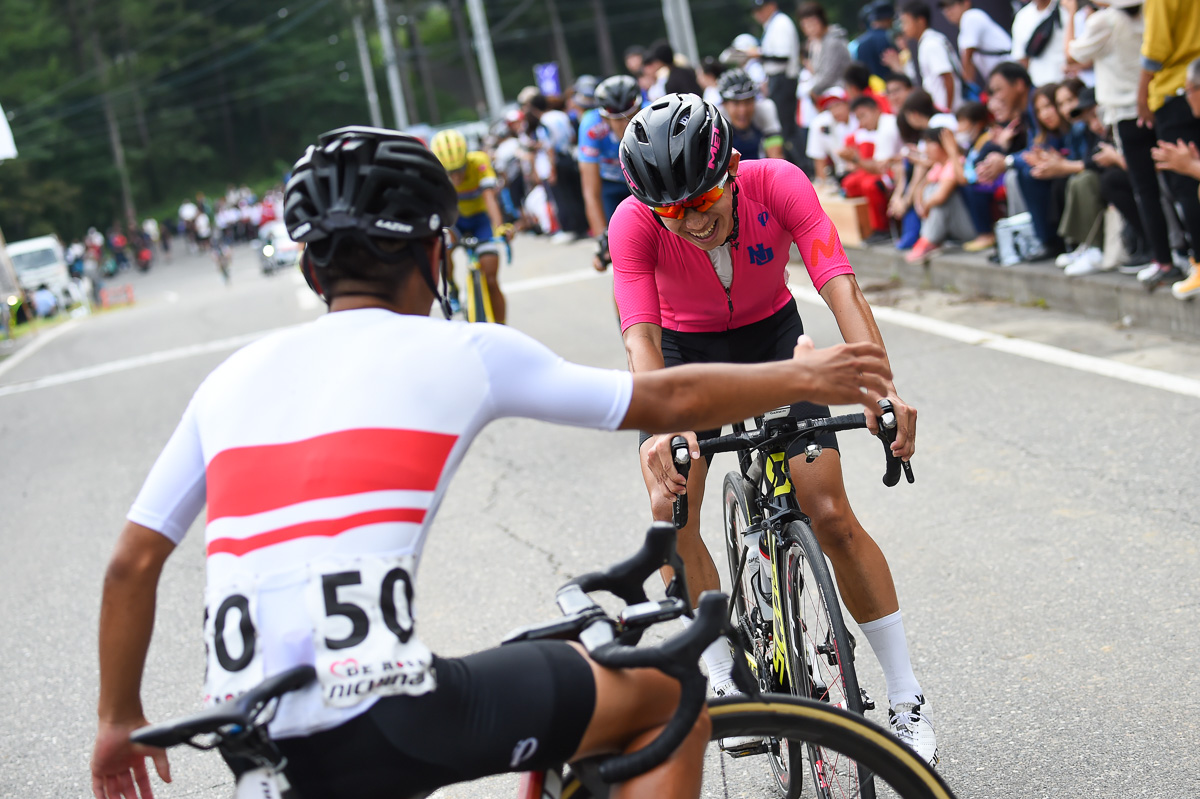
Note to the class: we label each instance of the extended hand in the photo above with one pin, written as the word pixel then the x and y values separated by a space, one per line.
pixel 990 168
pixel 119 767
pixel 844 374
pixel 906 426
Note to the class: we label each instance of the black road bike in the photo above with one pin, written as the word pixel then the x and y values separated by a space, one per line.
pixel 789 621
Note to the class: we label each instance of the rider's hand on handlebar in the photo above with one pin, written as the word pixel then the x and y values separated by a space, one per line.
pixel 119 766
pixel 906 426
pixel 658 461
pixel 846 373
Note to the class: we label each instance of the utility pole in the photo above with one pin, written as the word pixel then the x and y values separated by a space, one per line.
pixel 364 61
pixel 565 72
pixel 464 49
pixel 487 58
pixel 110 119
pixel 681 34
pixel 604 39
pixel 389 58
pixel 414 41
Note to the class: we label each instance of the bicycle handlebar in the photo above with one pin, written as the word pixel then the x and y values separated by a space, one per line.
pixel 810 429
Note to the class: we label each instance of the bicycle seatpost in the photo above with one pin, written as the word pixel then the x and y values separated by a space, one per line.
pixel 683 465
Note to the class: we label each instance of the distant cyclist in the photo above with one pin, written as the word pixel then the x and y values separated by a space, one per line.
pixel 753 119
pixel 700 255
pixel 617 98
pixel 323 452
pixel 478 206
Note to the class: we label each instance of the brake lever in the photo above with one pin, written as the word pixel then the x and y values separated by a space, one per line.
pixel 887 434
pixel 683 465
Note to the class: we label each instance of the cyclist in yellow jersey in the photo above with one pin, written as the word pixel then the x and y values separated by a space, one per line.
pixel 478 207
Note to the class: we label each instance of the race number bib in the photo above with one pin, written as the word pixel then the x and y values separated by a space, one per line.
pixel 363 630
pixel 234 661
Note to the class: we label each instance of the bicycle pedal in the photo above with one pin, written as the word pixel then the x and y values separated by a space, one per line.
pixel 867 702
pixel 748 750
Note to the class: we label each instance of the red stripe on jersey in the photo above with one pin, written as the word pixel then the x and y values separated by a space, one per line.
pixel 246 480
pixel 323 527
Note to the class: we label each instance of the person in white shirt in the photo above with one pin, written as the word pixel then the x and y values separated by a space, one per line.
pixel 982 42
pixel 744 53
pixel 1047 66
pixel 780 55
pixel 828 133
pixel 935 64
pixel 872 150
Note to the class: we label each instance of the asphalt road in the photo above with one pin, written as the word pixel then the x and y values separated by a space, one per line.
pixel 1046 557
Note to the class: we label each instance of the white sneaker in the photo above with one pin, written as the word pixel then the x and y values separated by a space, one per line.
pixel 1068 258
pixel 910 723
pixel 1089 263
pixel 562 237
pixel 1148 272
pixel 737 742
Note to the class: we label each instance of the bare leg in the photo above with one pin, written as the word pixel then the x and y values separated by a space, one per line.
pixel 632 706
pixel 863 577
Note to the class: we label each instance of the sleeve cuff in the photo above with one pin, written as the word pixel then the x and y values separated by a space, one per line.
pixel 1150 65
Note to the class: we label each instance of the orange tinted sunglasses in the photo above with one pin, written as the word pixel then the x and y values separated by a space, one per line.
pixel 702 203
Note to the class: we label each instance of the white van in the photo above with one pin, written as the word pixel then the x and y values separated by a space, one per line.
pixel 42 261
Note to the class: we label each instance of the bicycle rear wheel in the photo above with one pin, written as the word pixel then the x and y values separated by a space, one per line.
pixel 479 299
pixel 786 758
pixel 821 656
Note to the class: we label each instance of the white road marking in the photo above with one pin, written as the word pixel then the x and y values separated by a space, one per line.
pixel 1033 350
pixel 12 361
pixel 136 362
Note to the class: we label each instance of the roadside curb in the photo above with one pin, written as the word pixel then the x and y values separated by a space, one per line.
pixel 1108 296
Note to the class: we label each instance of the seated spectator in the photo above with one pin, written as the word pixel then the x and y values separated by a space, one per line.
pixel 982 43
pixel 1182 160
pixel 934 61
pixel 45 304
pixel 899 87
pixel 753 121
pixel 856 82
pixel 938 202
pixel 828 133
pixel 919 114
pixel 1011 90
pixel 1048 160
pixel 975 139
pixel 871 150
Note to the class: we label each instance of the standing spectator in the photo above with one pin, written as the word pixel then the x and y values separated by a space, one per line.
pixel 1182 159
pixel 871 150
pixel 1043 54
pixel 828 134
pixel 780 54
pixel 710 72
pixel 827 52
pixel 669 76
pixel 745 53
pixel 555 136
pixel 1170 44
pixel 754 129
pixel 934 63
pixel 938 201
pixel 982 43
pixel 870 47
pixel 582 99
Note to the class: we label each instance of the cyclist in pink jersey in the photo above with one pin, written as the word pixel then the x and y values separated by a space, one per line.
pixel 700 255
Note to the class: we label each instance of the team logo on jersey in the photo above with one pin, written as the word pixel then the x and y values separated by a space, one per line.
pixel 524 750
pixel 762 218
pixel 760 254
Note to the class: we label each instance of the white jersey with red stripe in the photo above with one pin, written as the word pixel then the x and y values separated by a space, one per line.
pixel 323 452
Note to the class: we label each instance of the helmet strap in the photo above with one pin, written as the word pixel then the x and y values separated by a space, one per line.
pixel 733 233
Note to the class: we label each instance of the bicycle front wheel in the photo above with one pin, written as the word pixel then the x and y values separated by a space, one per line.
pixel 839 733
pixel 821 656
pixel 479 299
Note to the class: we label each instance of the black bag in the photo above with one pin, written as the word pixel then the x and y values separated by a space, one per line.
pixel 1043 33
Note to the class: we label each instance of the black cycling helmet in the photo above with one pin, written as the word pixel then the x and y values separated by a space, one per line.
pixel 359 183
pixel 675 149
pixel 735 84
pixel 618 96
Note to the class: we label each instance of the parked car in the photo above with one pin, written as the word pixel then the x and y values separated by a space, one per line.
pixel 276 249
pixel 42 262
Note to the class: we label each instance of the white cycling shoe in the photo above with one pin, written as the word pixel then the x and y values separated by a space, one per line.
pixel 735 743
pixel 910 722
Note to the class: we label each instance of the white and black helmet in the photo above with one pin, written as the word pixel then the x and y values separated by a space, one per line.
pixel 735 84
pixel 675 149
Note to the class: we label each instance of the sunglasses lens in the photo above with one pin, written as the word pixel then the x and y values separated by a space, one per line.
pixel 670 212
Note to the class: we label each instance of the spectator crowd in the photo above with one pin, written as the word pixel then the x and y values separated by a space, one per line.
pixel 1070 132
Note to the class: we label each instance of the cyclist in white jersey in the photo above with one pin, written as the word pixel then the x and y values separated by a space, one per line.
pixel 323 452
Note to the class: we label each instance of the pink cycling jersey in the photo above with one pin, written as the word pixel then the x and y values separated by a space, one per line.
pixel 660 278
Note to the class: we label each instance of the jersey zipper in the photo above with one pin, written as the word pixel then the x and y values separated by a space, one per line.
pixel 728 291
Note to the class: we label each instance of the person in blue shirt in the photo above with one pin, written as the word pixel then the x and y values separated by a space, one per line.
pixel 618 99
pixel 870 47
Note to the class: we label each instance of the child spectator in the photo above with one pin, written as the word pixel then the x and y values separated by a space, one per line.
pixel 938 202
pixel 871 150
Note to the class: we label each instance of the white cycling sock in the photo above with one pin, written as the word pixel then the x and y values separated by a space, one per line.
pixel 718 658
pixel 886 637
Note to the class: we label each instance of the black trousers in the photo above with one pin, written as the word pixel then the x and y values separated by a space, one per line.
pixel 1174 122
pixel 782 91
pixel 1116 189
pixel 1136 143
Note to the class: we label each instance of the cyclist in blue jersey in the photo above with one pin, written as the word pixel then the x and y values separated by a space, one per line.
pixel 600 130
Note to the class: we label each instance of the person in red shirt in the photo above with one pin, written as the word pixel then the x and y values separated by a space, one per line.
pixel 872 149
pixel 856 80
